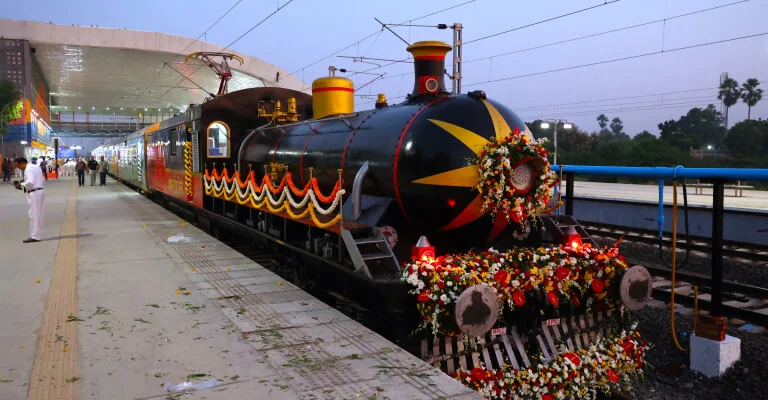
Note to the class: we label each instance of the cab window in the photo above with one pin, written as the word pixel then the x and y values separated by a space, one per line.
pixel 218 139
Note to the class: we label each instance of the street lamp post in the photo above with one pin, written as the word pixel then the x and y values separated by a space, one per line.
pixel 545 125
pixel 566 125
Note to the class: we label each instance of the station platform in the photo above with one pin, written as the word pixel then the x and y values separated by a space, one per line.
pixel 751 200
pixel 105 307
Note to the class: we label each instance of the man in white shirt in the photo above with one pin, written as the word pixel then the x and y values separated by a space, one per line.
pixel 33 187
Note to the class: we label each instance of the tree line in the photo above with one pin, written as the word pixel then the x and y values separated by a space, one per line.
pixel 702 131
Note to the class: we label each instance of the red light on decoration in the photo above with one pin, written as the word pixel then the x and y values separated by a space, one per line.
pixel 423 250
pixel 571 238
pixel 451 203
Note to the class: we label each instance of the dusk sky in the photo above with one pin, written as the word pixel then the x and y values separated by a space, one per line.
pixel 305 31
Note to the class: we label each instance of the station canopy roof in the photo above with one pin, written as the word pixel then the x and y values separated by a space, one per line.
pixel 91 68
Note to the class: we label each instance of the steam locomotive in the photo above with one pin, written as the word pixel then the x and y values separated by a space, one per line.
pixel 338 194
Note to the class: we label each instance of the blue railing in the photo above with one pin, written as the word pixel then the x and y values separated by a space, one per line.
pixel 679 172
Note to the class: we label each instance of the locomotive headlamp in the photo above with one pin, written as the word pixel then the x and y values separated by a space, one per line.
pixel 423 250
pixel 428 84
pixel 571 238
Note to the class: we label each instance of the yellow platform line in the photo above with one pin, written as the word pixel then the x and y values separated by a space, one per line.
pixel 54 372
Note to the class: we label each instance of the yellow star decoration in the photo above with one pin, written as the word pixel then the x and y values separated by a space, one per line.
pixel 468 176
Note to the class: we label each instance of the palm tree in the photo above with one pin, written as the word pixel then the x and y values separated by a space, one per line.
pixel 729 93
pixel 751 94
pixel 602 120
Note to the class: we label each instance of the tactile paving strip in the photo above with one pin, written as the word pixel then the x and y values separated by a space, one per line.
pixel 54 371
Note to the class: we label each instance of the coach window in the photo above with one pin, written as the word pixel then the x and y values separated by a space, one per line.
pixel 172 140
pixel 218 139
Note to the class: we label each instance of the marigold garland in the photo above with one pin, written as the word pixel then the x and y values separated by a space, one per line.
pixel 497 163
pixel 571 375
pixel 582 276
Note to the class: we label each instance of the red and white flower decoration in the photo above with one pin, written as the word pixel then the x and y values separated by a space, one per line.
pixel 581 276
pixel 515 177
pixel 572 375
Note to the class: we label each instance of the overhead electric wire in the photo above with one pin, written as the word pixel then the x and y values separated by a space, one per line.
pixel 229 45
pixel 626 103
pixel 540 22
pixel 151 85
pixel 187 78
pixel 617 59
pixel 259 23
pixel 605 32
pixel 212 25
pixel 439 11
pixel 615 98
pixel 373 34
pixel 582 37
pixel 500 33
pixel 618 109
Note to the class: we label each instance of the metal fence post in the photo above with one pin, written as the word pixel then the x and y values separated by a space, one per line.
pixel 718 189
pixel 569 178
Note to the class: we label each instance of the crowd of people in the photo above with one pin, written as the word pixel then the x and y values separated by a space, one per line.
pixel 64 167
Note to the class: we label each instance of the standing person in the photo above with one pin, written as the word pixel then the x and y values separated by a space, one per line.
pixel 7 170
pixel 80 167
pixel 44 167
pixel 93 166
pixel 33 187
pixel 103 168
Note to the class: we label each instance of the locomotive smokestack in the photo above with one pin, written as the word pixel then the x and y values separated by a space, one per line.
pixel 429 64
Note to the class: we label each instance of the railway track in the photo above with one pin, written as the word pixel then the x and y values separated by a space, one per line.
pixel 745 302
pixel 745 251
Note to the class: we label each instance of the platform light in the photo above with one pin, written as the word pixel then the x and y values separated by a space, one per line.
pixel 567 125
pixel 23 142
pixel 544 125
pixel 709 147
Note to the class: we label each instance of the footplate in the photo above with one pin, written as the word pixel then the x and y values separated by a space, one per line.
pixel 506 345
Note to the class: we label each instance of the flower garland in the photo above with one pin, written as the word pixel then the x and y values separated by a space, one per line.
pixel 511 161
pixel 571 375
pixel 261 196
pixel 580 275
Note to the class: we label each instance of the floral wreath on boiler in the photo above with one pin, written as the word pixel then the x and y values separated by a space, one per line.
pixel 515 177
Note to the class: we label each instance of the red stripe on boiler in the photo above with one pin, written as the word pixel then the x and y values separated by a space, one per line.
pixel 333 88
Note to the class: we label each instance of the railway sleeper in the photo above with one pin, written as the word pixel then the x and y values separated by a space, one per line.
pixel 508 345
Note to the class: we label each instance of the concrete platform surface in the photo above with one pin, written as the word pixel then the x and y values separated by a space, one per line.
pixel 752 200
pixel 145 313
